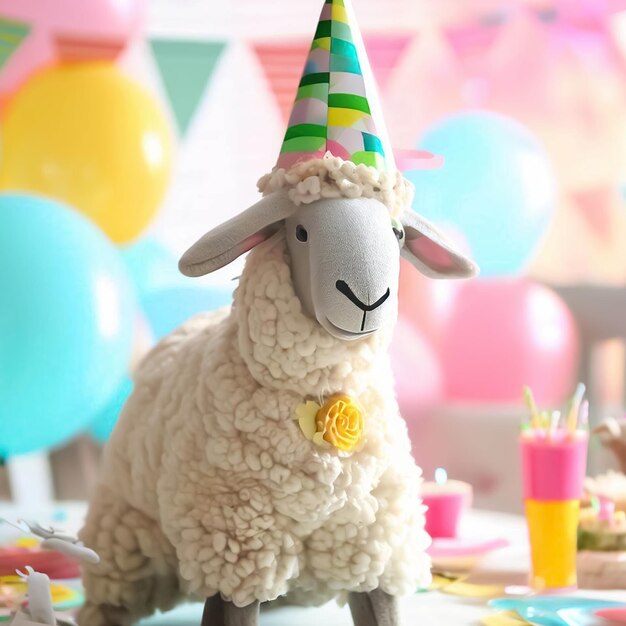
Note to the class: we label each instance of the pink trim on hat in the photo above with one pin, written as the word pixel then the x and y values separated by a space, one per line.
pixel 407 160
pixel 336 149
pixel 289 159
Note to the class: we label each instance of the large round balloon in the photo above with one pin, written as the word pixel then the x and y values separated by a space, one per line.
pixel 425 303
pixel 66 322
pixel 416 370
pixel 151 266
pixel 102 427
pixel 38 32
pixel 87 134
pixel 503 334
pixel 418 381
pixel 168 308
pixel 496 186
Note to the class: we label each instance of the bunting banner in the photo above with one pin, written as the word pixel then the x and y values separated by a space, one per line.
pixel 473 38
pixel 594 205
pixel 385 52
pixel 76 48
pixel 185 67
pixel 11 36
pixel 282 63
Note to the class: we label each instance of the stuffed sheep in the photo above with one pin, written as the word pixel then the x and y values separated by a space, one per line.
pixel 262 453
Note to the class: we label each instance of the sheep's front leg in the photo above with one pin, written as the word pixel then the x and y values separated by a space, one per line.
pixel 375 608
pixel 220 612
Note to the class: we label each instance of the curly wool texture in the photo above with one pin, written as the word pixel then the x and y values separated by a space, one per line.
pixel 332 177
pixel 208 479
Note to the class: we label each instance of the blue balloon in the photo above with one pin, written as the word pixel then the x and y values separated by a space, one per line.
pixel 168 308
pixel 151 266
pixel 496 186
pixel 66 322
pixel 102 427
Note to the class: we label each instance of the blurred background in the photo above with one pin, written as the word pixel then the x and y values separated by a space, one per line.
pixel 130 127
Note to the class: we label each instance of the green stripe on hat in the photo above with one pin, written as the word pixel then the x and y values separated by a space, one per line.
pixel 340 31
pixel 305 130
pixel 348 101
pixel 323 29
pixel 373 159
pixel 319 91
pixel 304 144
pixel 314 79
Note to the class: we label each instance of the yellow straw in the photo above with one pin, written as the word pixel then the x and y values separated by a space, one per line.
pixel 535 420
pixel 572 417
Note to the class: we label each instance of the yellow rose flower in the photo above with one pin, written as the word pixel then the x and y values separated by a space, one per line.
pixel 338 422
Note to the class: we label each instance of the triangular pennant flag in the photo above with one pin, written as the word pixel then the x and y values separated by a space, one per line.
pixel 11 36
pixel 185 67
pixel 73 48
pixel 474 38
pixel 384 52
pixel 595 207
pixel 282 63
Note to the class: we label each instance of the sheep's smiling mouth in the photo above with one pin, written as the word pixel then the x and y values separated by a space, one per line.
pixel 349 333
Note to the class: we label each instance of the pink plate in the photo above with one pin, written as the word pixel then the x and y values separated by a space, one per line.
pixel 616 615
pixel 461 548
pixel 462 555
pixel 50 562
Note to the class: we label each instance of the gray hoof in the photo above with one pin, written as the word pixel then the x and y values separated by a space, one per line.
pixel 220 612
pixel 375 608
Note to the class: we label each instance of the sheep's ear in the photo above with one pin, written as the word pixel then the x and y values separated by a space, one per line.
pixel 429 251
pixel 233 238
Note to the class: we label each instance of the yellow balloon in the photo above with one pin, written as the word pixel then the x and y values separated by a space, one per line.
pixel 89 135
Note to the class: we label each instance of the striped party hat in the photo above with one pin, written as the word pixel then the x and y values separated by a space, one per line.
pixel 336 108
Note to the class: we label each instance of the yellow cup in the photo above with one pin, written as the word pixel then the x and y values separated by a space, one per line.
pixel 552 530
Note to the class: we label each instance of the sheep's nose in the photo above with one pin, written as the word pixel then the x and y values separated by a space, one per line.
pixel 344 288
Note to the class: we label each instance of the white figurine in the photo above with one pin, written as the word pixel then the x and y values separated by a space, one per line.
pixel 40 611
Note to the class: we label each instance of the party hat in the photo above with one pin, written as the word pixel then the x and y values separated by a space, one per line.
pixel 336 108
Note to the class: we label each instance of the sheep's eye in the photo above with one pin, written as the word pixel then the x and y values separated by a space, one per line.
pixel 398 231
pixel 301 234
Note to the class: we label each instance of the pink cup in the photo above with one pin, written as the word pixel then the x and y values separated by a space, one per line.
pixel 445 505
pixel 443 514
pixel 553 468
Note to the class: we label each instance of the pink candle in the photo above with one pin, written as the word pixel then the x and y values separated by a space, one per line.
pixel 606 509
pixel 446 500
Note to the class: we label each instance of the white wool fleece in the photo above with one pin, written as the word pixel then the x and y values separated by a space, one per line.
pixel 208 452
pixel 332 177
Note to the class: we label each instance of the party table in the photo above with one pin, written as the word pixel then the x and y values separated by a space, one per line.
pixel 506 566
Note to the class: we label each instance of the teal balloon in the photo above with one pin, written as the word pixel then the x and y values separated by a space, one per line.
pixel 66 322
pixel 151 266
pixel 102 427
pixel 168 308
pixel 496 186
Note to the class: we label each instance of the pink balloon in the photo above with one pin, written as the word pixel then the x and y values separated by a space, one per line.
pixel 586 13
pixel 416 371
pixel 504 334
pixel 424 303
pixel 74 28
